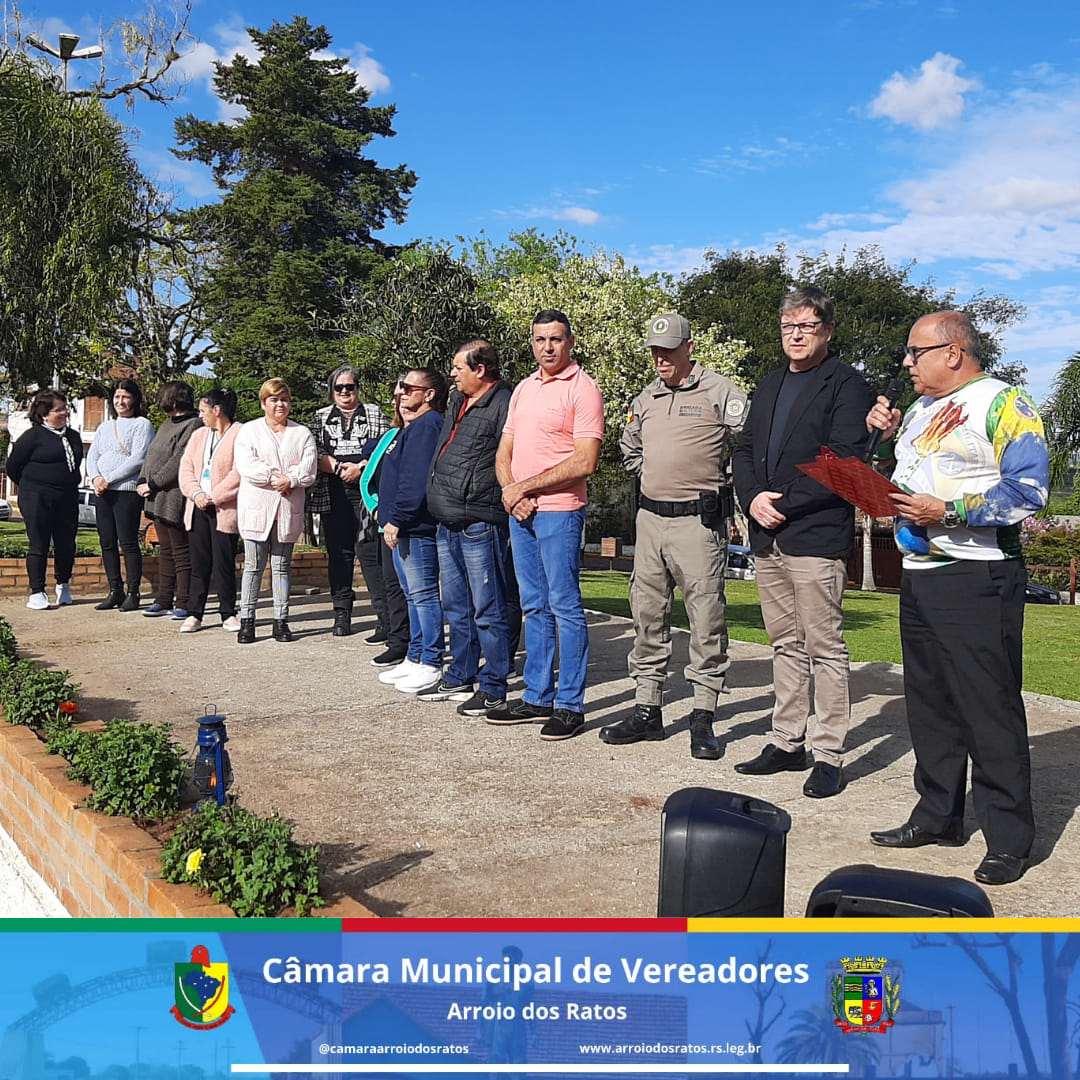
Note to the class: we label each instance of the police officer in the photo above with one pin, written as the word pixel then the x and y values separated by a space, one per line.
pixel 677 440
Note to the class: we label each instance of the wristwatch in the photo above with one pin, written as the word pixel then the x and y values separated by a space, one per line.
pixel 951 519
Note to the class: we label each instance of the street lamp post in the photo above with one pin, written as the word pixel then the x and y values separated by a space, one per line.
pixel 67 50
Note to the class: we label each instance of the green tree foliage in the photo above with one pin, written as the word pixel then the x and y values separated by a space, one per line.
pixel 1061 418
pixel 418 309
pixel 294 229
pixel 876 304
pixel 69 192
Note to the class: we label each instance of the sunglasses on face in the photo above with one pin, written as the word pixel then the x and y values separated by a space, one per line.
pixel 344 388
pixel 408 388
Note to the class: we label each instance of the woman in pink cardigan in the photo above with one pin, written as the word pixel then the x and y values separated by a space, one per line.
pixel 209 483
pixel 276 460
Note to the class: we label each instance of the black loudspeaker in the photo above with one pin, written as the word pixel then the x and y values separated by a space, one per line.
pixel 874 893
pixel 721 856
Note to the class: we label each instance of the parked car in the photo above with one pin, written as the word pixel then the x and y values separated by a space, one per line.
pixel 87 507
pixel 5 510
pixel 1040 594
pixel 740 563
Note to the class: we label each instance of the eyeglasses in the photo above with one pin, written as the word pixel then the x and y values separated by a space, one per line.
pixel 789 328
pixel 345 388
pixel 916 351
pixel 409 388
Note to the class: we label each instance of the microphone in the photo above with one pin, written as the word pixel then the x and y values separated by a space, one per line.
pixel 894 392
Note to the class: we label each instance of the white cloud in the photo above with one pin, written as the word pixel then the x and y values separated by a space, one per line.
pixel 1006 200
pixel 369 72
pixel 578 214
pixel 932 99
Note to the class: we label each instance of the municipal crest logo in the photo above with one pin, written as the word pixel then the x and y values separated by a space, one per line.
pixel 202 992
pixel 866 997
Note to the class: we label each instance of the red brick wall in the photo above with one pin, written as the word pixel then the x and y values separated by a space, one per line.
pixel 308 572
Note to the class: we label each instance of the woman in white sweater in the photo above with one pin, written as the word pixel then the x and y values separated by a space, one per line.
pixel 113 464
pixel 276 460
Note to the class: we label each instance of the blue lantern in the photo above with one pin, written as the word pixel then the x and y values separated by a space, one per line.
pixel 212 775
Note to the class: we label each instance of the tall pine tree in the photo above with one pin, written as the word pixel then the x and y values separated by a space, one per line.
pixel 295 228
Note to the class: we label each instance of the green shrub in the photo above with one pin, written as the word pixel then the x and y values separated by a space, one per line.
pixel 33 695
pixel 134 769
pixel 1048 544
pixel 8 648
pixel 249 862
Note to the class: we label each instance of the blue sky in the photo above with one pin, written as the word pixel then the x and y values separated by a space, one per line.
pixel 946 132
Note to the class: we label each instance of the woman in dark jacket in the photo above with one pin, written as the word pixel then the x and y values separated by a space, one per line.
pixel 159 482
pixel 409 529
pixel 45 464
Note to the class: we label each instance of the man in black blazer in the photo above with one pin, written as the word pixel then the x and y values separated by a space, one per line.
pixel 802 535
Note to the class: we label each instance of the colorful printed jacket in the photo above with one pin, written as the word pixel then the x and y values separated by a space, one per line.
pixel 983 451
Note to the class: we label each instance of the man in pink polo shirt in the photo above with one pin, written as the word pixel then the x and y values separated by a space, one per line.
pixel 550 446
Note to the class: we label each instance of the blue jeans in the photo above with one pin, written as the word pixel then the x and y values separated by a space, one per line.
pixel 547 558
pixel 417 565
pixel 472 565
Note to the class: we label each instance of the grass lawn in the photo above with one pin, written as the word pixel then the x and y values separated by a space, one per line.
pixel 13 540
pixel 871 626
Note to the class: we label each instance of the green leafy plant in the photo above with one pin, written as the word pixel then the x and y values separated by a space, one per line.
pixel 8 647
pixel 32 695
pixel 134 769
pixel 249 862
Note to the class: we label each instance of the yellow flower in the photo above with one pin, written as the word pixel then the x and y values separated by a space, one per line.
pixel 194 859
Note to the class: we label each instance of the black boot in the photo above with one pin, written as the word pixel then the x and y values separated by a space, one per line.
pixel 645 722
pixel 281 630
pixel 246 634
pixel 113 600
pixel 342 622
pixel 703 742
pixel 131 602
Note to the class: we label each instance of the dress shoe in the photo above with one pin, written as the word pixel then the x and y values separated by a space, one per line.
pixel 646 722
pixel 909 836
pixel 282 631
pixel 823 781
pixel 113 600
pixel 773 760
pixel 564 724
pixel 342 623
pixel 247 632
pixel 998 869
pixel 703 742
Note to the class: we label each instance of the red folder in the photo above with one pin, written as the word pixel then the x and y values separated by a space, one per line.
pixel 854 481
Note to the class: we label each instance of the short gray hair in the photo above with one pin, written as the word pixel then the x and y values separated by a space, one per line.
pixel 810 297
pixel 344 369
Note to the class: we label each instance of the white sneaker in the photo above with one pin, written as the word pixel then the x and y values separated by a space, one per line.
pixel 420 678
pixel 231 625
pixel 38 602
pixel 191 625
pixel 63 594
pixel 391 675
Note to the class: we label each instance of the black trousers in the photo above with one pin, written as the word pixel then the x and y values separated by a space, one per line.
pixel 174 565
pixel 513 605
pixel 344 547
pixel 213 555
pixel 397 608
pixel 51 516
pixel 118 516
pixel 961 628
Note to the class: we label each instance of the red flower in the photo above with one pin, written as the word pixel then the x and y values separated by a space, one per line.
pixel 69 707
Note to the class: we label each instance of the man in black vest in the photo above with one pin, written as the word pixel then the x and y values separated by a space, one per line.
pixel 465 497
pixel 802 535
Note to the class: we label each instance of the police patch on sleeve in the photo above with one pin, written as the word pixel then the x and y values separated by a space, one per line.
pixel 735 408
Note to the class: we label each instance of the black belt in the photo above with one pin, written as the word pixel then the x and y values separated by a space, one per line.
pixel 670 509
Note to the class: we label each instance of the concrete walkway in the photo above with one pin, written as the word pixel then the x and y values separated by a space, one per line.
pixel 423 813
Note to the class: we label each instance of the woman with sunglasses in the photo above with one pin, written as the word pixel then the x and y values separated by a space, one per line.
pixel 340 431
pixel 409 529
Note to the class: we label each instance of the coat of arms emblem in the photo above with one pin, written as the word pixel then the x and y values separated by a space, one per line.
pixel 202 992
pixel 866 997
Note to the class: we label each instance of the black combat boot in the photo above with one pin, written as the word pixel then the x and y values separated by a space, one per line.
pixel 246 634
pixel 282 631
pixel 703 742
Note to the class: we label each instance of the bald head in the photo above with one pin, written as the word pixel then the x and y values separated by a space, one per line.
pixel 942 353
